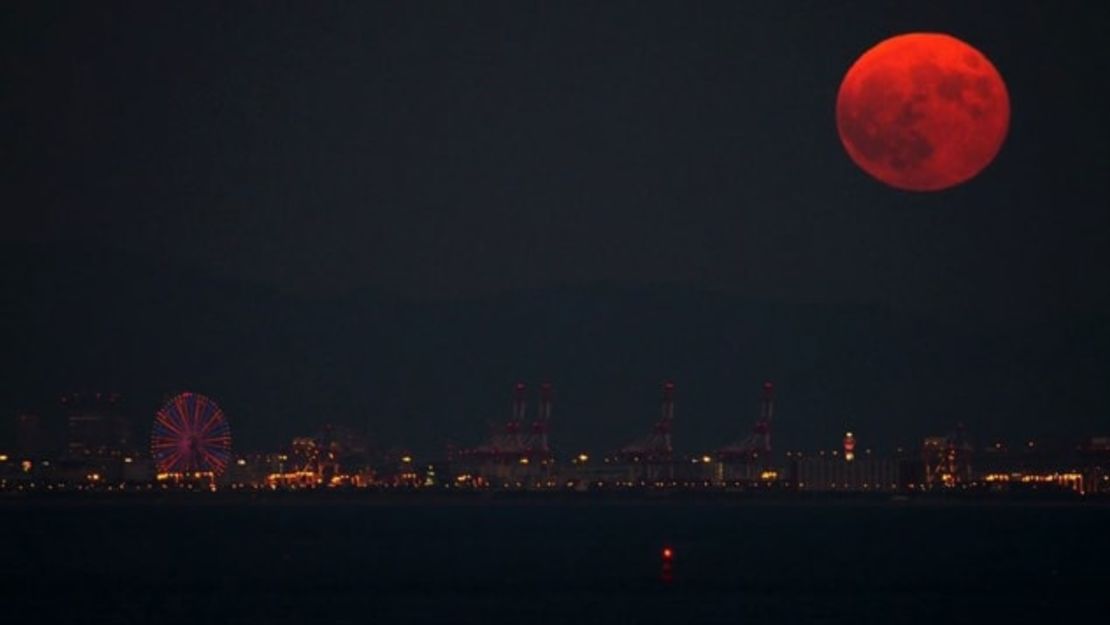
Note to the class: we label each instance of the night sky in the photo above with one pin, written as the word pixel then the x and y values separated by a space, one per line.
pixel 384 215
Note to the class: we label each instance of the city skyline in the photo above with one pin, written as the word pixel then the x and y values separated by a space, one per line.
pixel 127 432
pixel 343 224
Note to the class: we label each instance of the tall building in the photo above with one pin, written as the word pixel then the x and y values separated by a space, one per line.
pixel 30 440
pixel 94 425
pixel 834 471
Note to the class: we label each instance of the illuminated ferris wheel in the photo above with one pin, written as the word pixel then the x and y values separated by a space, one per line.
pixel 190 434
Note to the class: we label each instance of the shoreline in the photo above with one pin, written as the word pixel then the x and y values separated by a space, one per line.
pixel 373 498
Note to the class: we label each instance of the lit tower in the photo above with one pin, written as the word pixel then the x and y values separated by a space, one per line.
pixel 538 444
pixel 663 428
pixel 747 458
pixel 762 431
pixel 520 406
pixel 654 452
pixel 520 402
pixel 512 445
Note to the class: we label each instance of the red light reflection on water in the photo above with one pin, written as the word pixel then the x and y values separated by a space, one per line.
pixel 667 572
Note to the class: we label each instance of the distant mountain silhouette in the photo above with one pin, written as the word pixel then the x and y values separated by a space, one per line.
pixel 421 373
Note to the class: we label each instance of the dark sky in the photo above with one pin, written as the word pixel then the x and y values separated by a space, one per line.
pixel 336 160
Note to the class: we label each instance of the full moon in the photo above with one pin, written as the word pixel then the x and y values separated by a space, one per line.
pixel 922 111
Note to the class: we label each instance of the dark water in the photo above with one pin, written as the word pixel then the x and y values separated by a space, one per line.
pixel 595 562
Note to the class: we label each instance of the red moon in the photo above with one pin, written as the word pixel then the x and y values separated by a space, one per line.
pixel 922 111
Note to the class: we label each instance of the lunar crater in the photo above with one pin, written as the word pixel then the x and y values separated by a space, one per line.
pixel 951 86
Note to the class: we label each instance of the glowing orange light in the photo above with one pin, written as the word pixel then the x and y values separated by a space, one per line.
pixel 668 553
